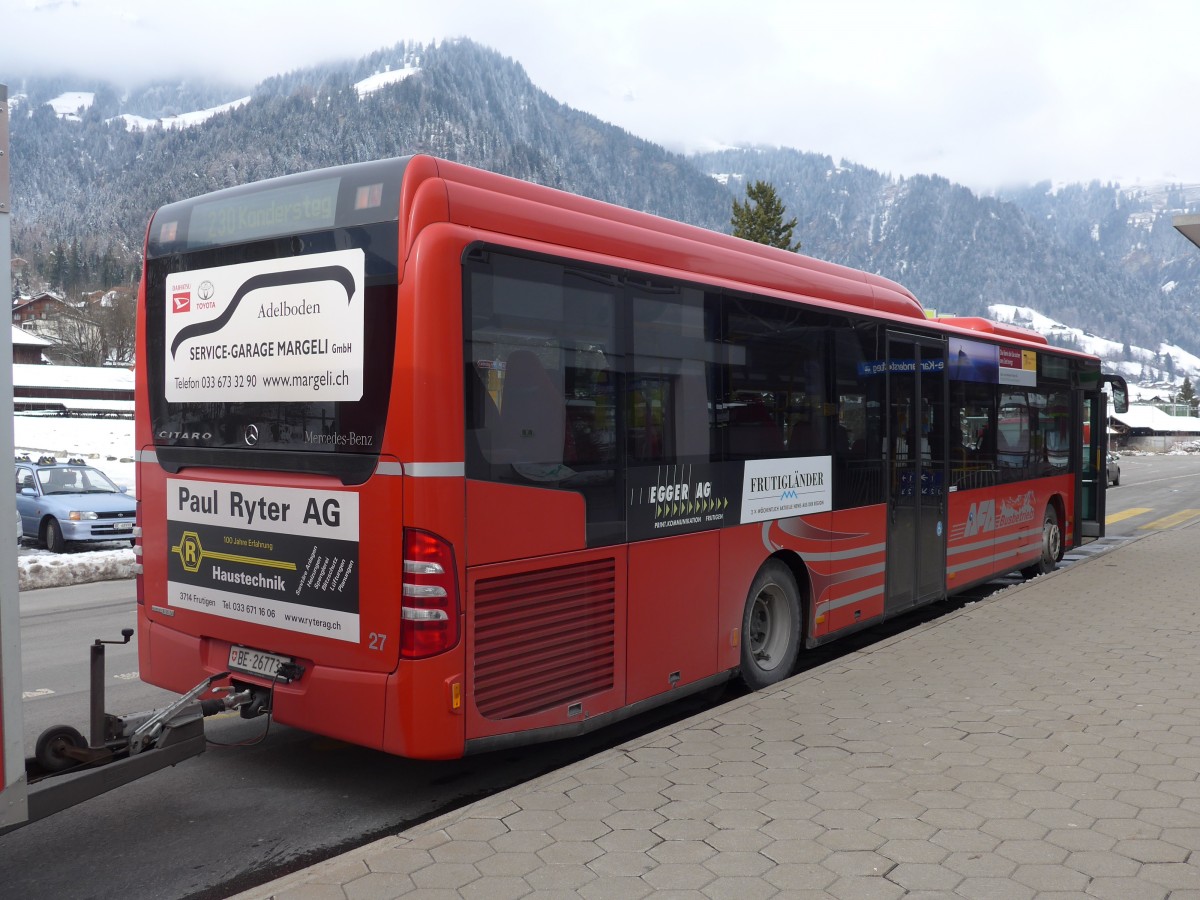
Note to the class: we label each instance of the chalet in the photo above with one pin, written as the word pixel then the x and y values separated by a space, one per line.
pixel 27 347
pixel 28 313
pixel 64 324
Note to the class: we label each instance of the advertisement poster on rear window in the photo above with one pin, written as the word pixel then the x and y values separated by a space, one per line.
pixel 282 557
pixel 279 330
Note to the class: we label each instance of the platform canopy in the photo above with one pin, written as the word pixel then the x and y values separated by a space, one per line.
pixel 1189 227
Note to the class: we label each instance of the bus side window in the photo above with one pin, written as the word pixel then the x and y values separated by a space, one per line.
pixel 753 433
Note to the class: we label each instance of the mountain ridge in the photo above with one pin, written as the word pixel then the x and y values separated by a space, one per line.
pixel 1098 257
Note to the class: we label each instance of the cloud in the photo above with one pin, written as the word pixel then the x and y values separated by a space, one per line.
pixel 983 94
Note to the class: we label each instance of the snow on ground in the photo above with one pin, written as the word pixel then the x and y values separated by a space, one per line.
pixel 184 120
pixel 63 104
pixel 106 444
pixel 67 105
pixel 383 79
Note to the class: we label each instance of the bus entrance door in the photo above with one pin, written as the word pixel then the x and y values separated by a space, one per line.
pixel 916 440
pixel 1092 468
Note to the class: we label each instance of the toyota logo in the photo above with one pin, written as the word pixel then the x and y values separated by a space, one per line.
pixel 251 435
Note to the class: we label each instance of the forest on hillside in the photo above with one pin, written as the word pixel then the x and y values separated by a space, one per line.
pixel 1095 256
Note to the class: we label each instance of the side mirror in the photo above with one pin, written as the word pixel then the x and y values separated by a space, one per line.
pixel 1120 393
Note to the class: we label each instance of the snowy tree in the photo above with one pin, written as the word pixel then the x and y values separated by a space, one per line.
pixel 760 218
pixel 1187 394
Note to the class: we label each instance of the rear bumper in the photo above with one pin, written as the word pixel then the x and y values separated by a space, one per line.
pixel 338 703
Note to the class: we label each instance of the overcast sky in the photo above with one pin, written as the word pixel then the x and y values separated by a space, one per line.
pixel 983 93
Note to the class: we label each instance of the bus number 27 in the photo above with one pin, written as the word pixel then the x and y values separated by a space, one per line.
pixel 377 640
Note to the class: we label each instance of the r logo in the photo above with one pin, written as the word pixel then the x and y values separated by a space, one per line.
pixel 190 552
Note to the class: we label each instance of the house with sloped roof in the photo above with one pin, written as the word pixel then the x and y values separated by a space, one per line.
pixel 28 347
pixel 1148 428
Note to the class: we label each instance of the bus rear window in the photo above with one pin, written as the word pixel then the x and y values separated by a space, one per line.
pixel 278 351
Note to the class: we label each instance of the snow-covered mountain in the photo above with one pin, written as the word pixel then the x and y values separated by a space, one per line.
pixel 90 159
pixel 1156 373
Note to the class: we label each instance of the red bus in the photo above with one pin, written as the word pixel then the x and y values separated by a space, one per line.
pixel 436 461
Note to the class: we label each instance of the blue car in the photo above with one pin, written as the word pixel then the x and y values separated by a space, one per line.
pixel 63 503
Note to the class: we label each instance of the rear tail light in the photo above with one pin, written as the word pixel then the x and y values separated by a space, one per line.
pixel 430 610
pixel 138 571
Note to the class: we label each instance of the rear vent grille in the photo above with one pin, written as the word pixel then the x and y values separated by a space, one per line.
pixel 544 638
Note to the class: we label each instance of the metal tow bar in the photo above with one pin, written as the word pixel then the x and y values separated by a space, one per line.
pixel 66 770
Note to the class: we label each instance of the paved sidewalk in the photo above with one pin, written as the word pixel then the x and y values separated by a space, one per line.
pixel 1043 743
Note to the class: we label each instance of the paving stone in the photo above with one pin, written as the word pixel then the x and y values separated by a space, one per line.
pixel 678 876
pixel 1129 889
pixel 631 819
pixel 854 887
pixel 560 877
pixel 615 888
pixel 1016 749
pixel 684 830
pixel 1102 864
pixel 1050 878
pixel 800 877
pixel 570 853
pixel 844 819
pixel 851 839
pixel 980 865
pixel 400 860
pixel 859 862
pixel 449 876
pixel 1153 852
pixel 903 829
pixel 1176 876
pixel 533 841
pixel 462 852
pixel 735 888
pixel 481 829
pixel 515 864
pixel 495 888
pixel 913 851
pixel 374 886
pixel 923 876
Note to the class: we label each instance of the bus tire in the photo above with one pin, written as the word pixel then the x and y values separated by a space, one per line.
pixel 770 627
pixel 1052 545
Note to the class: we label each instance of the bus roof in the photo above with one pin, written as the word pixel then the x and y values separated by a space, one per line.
pixel 420 191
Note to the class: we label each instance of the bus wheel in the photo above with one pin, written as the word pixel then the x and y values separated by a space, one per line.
pixel 770 627
pixel 1052 546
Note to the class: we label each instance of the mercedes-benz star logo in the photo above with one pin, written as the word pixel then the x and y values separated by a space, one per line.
pixel 251 435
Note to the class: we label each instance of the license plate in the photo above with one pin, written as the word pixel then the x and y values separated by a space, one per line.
pixel 124 526
pixel 256 662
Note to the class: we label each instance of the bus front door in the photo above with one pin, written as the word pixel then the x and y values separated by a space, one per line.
pixel 916 460
pixel 1091 469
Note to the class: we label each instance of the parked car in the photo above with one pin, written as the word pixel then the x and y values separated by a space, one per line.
pixel 1113 469
pixel 63 503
